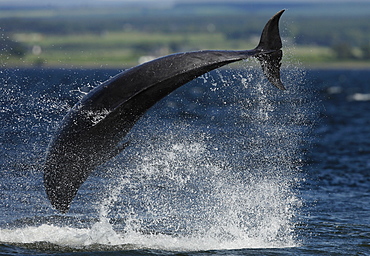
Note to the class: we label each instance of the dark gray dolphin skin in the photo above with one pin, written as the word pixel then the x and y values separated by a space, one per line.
pixel 93 130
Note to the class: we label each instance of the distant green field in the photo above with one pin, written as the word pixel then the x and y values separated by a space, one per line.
pixel 124 49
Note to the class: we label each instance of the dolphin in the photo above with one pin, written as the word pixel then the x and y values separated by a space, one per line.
pixel 93 131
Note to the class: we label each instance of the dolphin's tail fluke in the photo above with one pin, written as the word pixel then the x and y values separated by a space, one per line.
pixel 270 53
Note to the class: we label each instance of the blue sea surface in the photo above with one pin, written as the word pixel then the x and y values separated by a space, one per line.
pixel 225 165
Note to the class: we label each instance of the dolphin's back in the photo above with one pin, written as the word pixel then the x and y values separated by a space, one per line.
pixel 170 72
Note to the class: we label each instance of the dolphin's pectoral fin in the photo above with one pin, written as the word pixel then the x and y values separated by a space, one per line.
pixel 120 148
pixel 270 53
pixel 112 153
pixel 116 151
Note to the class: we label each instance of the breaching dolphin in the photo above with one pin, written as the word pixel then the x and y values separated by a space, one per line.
pixel 93 130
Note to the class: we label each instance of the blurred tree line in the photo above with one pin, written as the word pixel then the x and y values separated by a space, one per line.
pixel 348 36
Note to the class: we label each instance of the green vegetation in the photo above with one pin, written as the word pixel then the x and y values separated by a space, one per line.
pixel 119 36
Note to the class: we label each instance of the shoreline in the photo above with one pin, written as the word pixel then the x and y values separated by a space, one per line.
pixel 307 66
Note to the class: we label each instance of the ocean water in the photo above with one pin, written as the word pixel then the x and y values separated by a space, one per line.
pixel 225 165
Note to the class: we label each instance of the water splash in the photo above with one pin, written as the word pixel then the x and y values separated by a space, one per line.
pixel 208 169
pixel 230 188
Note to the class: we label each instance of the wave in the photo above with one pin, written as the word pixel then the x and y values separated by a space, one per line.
pixel 102 237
